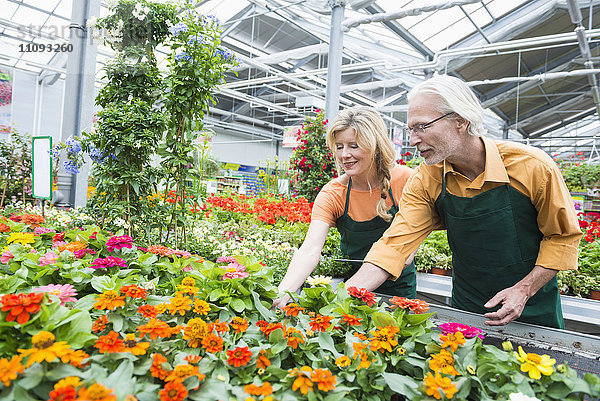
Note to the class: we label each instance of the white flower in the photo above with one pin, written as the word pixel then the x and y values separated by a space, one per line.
pixel 521 397
pixel 318 280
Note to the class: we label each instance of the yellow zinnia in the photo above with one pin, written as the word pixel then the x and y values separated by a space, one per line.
pixel 21 238
pixel 535 364
pixel 44 349
pixel 383 338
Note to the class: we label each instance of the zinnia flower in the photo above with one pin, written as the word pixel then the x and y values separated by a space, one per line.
pixel 239 356
pixel 235 270
pixel 110 343
pixel 20 306
pixel 262 362
pixel 240 325
pixel 110 261
pixel 212 343
pixel 100 324
pixel 294 337
pixel 130 344
pixel 383 338
pixel 452 340
pixel 64 393
pixel 535 364
pixel 10 368
pixel 351 320
pixel 147 311
pixel 64 292
pixel 326 381
pixel 414 305
pixel 437 383
pixel 264 389
pixel 343 361
pixel 156 369
pixel 443 362
pixel 6 257
pixel 292 309
pixel 44 349
pixel 43 230
pixel 21 238
pixel 362 294
pixel 320 323
pixel 468 331
pixel 180 304
pixel 155 328
pixel 318 280
pixel 133 291
pixel 109 300
pixel 182 372
pixel 48 259
pixel 302 381
pixel 96 392
pixel 173 391
pixel 119 242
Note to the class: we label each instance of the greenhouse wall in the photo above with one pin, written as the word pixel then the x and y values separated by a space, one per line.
pixel 225 149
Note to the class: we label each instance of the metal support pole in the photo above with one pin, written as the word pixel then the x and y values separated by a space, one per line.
pixel 334 63
pixel 77 110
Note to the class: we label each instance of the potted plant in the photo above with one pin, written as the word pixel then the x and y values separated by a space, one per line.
pixel 434 255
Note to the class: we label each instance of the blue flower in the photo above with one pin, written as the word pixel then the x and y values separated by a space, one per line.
pixel 224 53
pixel 196 38
pixel 211 18
pixel 71 166
pixel 180 27
pixel 96 155
pixel 183 56
pixel 73 145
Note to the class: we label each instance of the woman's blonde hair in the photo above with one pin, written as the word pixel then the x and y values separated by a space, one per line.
pixel 372 136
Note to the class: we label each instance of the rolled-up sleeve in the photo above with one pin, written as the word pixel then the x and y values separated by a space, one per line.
pixel 557 221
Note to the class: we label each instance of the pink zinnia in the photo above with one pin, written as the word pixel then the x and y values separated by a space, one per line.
pixel 64 292
pixel 119 242
pixel 6 257
pixel 181 254
pixel 226 259
pixel 80 253
pixel 43 230
pixel 109 261
pixel 467 331
pixel 49 258
pixel 235 270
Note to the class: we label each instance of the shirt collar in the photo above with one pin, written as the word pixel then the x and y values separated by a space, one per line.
pixel 494 171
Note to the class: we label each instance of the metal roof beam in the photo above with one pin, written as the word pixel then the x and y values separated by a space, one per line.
pixel 402 32
pixel 566 122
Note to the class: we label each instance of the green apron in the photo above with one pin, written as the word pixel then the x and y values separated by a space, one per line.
pixel 495 240
pixel 357 237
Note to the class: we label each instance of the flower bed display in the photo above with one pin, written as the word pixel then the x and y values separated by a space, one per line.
pixel 91 315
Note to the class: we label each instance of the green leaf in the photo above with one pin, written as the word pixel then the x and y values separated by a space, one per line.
pixel 265 313
pixel 383 319
pixel 275 336
pixel 326 342
pixel 32 377
pixel 120 380
pixel 402 384
pixel 417 319
pixel 210 390
pixel 238 305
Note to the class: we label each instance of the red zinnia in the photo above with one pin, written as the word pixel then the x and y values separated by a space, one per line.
pixel 110 343
pixel 173 391
pixel 21 305
pixel 239 356
pixel 362 294
pixel 100 324
pixel 148 311
pixel 133 291
pixel 320 323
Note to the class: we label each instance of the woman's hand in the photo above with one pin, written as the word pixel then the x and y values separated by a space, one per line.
pixel 281 302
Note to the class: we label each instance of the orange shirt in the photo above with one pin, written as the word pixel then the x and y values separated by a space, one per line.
pixel 330 202
pixel 527 169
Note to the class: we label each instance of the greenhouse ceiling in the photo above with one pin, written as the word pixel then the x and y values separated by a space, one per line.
pixel 533 63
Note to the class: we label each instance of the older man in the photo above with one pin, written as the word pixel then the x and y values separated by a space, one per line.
pixel 510 219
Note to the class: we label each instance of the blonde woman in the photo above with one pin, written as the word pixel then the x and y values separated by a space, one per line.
pixel 360 203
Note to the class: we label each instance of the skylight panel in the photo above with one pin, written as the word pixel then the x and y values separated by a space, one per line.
pixel 29 17
pixel 7 8
pixel 222 9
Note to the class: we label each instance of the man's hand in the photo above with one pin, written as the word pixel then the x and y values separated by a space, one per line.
pixel 514 298
pixel 513 301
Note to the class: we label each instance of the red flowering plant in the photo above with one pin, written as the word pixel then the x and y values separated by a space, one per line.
pixel 312 162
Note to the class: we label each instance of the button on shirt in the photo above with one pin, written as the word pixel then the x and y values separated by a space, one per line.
pixel 527 169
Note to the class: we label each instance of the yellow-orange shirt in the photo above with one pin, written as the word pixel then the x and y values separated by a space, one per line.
pixel 527 169
pixel 330 202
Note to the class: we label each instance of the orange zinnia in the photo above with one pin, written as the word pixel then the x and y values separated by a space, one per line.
pixel 155 328
pixel 384 338
pixel 109 300
pixel 220 327
pixel 74 357
pixel 303 381
pixel 68 393
pixel 110 343
pixel 343 361
pixel 72 246
pixel 239 324
pixel 294 337
pixel 9 369
pixel 320 323
pixel 173 391
pixel 239 356
pixel 147 311
pixel 180 304
pixel 100 324
pixel 443 363
pixel 437 383
pixel 195 331
pixel 182 372
pixel 270 327
pixel 96 392
pixel 262 362
pixel 20 306
pixel 133 291
pixel 132 345
pixel 159 250
pixel 192 358
pixel 156 370
pixel 264 389
pixel 452 340
pixel 351 320
pixel 212 343
pixel 326 381
pixel 201 307
pixel 293 309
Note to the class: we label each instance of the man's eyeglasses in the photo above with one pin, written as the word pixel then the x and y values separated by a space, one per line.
pixel 420 128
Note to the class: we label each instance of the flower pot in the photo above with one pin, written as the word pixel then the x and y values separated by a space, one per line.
pixel 438 271
pixel 595 294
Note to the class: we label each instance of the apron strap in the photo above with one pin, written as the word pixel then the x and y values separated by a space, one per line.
pixel 347 196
